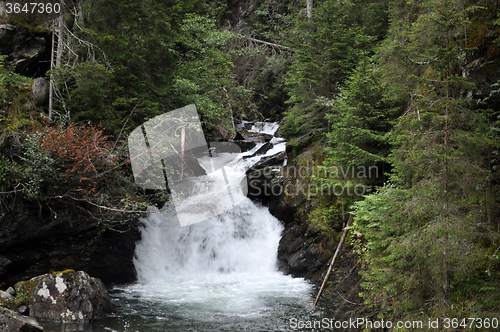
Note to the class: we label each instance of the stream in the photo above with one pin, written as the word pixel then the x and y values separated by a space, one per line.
pixel 216 275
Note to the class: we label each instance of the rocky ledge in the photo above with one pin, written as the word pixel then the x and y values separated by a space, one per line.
pixel 304 249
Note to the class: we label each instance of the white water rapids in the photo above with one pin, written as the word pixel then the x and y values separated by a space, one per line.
pixel 222 266
pixel 216 275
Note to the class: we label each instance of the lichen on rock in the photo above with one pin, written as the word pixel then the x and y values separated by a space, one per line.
pixel 67 296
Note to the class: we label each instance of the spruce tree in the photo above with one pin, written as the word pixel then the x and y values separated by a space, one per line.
pixel 424 232
pixel 327 48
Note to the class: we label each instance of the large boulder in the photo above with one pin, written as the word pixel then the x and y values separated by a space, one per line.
pixel 66 296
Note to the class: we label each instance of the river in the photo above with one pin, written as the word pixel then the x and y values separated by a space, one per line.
pixel 216 275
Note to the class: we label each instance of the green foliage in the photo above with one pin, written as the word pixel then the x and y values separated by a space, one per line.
pixel 361 117
pixel 328 47
pixel 16 105
pixel 8 176
pixel 204 75
pixel 85 89
pixel 425 236
pixel 326 217
pixel 152 57
pixel 38 170
pixel 263 68
pixel 21 298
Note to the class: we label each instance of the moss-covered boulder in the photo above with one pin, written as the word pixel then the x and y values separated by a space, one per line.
pixel 67 296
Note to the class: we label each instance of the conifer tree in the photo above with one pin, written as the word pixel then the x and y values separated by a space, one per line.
pixel 328 45
pixel 361 116
pixel 424 230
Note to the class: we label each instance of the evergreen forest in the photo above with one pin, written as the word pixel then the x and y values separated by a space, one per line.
pixel 410 88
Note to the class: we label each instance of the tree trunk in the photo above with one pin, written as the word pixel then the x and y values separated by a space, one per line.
pixel 51 84
pixel 59 51
pixel 309 4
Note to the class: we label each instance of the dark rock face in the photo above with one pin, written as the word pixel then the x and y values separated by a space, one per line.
pixel 262 150
pixel 266 184
pixel 112 261
pixel 67 296
pixel 238 137
pixel 24 48
pixel 245 145
pixel 301 251
pixel 305 251
pixel 11 321
pixel 276 159
pixel 7 37
pixel 35 240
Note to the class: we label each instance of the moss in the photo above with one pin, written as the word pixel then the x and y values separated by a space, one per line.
pixel 7 304
pixel 25 286
pixel 65 272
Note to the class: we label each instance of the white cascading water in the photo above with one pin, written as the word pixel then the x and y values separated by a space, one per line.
pixel 265 127
pixel 227 264
pixel 242 240
pixel 221 268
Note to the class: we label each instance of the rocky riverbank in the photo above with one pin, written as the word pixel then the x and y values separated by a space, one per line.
pixel 305 250
pixel 36 239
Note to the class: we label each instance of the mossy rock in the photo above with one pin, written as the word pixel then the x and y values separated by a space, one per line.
pixel 7 304
pixel 66 296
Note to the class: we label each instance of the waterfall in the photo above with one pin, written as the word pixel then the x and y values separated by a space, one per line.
pixel 218 271
pixel 244 239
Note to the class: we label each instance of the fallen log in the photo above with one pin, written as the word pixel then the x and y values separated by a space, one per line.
pixel 334 257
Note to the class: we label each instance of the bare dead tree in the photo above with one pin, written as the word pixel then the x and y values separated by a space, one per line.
pixel 309 7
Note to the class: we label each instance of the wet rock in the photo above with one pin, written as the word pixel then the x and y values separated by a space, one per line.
pixel 66 296
pixel 276 159
pixel 22 309
pixel 301 254
pixel 112 261
pixel 11 321
pixel 256 137
pixel 41 91
pixel 266 184
pixel 6 296
pixel 267 137
pixel 238 137
pixel 262 150
pixel 7 300
pixel 245 145
pixel 11 291
pixel 243 125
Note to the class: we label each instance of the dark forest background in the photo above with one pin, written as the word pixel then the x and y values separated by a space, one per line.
pixel 410 87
